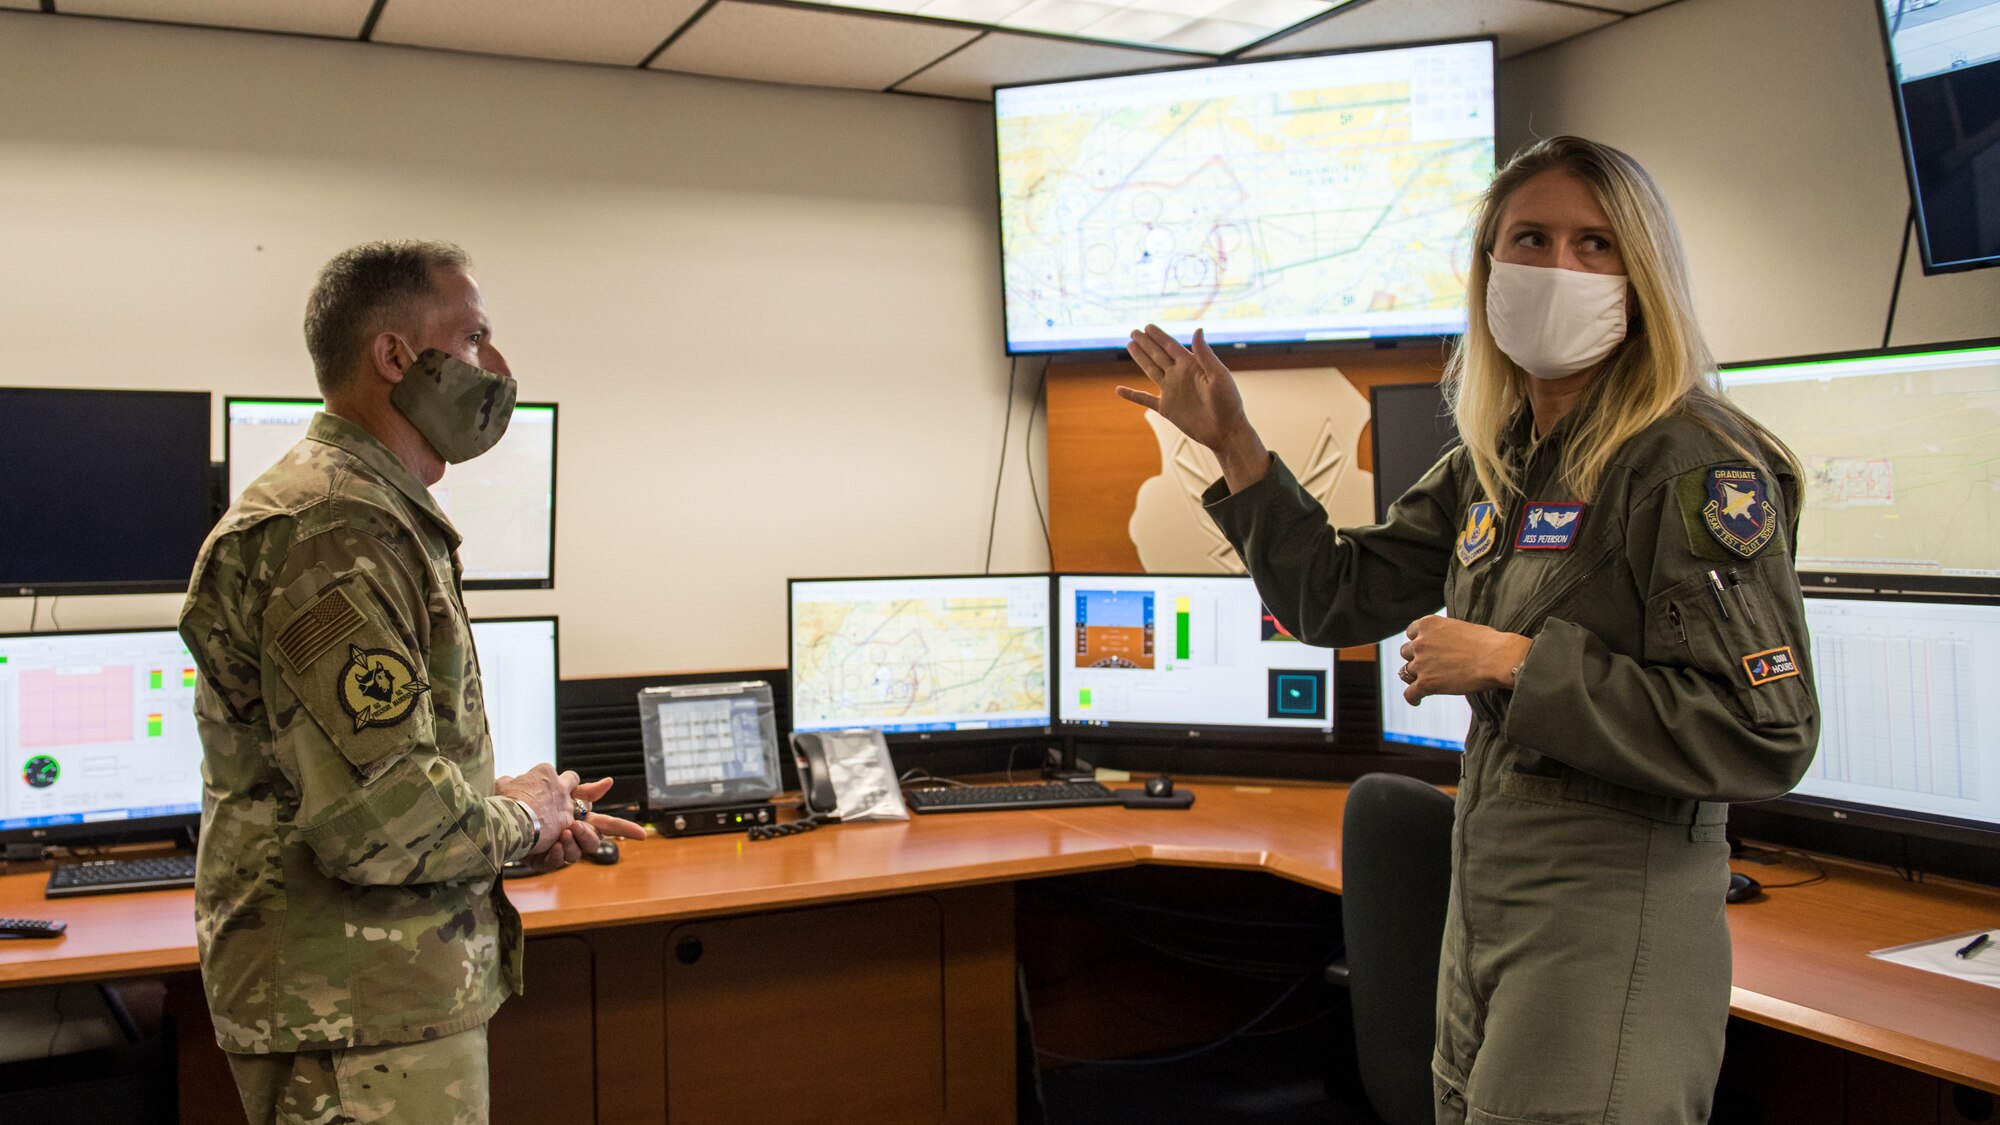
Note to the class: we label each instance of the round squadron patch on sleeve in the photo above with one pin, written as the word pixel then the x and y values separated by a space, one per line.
pixel 377 688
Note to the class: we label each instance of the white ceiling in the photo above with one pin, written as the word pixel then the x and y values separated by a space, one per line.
pixel 788 42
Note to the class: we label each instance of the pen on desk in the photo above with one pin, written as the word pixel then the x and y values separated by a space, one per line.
pixel 1742 598
pixel 1715 588
pixel 1974 946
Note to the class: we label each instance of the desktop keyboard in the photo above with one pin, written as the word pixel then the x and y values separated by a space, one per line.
pixel 987 798
pixel 104 876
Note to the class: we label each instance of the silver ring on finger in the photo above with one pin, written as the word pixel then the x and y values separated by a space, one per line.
pixel 1408 674
pixel 579 808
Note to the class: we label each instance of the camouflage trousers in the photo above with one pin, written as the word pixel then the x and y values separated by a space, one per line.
pixel 433 1082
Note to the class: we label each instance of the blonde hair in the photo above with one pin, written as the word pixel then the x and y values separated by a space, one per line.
pixel 1662 367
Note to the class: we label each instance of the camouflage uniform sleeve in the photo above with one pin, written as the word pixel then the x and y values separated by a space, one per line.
pixel 1713 703
pixel 1343 586
pixel 345 643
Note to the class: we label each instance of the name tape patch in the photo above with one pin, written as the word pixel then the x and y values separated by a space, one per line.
pixel 1771 665
pixel 1548 526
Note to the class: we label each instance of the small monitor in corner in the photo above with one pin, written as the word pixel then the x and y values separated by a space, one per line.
pixel 107 491
pixel 518 676
pixel 503 502
pixel 922 658
pixel 1909 724
pixel 1186 655
pixel 97 734
pixel 1440 721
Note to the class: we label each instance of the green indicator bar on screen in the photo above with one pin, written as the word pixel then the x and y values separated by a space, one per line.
pixel 155 725
pixel 187 677
pixel 1083 697
pixel 1181 638
pixel 159 679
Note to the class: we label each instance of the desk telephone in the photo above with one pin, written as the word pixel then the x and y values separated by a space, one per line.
pixel 843 775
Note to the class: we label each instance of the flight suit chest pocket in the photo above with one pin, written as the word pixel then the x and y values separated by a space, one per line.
pixel 1728 624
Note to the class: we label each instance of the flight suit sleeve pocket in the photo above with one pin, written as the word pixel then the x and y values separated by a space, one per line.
pixel 1734 633
pixel 353 673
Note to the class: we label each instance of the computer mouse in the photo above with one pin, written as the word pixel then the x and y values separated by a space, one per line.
pixel 1742 888
pixel 606 853
pixel 1161 786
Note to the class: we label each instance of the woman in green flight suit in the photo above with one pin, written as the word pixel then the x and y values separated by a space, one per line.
pixel 1612 544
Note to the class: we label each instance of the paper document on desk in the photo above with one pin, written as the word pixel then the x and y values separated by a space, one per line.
pixel 1940 955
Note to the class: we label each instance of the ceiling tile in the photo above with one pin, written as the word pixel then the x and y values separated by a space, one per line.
pixel 622 32
pixel 808 48
pixel 305 17
pixel 1063 17
pixel 1633 6
pixel 1001 59
pixel 1521 25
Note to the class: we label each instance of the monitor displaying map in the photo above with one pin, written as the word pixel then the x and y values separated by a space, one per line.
pixel 503 502
pixel 921 656
pixel 1320 198
pixel 1902 457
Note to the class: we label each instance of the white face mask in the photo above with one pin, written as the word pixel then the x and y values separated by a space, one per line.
pixel 1554 322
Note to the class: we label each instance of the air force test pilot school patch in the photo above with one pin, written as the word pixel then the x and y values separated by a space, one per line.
pixel 1738 512
pixel 1548 527
pixel 1481 530
pixel 1770 665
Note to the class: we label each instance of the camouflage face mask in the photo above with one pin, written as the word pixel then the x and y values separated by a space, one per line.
pixel 460 409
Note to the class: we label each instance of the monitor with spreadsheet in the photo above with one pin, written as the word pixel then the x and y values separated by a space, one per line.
pixel 503 502
pixel 108 492
pixel 1909 723
pixel 1163 654
pixel 517 676
pixel 1439 720
pixel 1902 489
pixel 922 658
pixel 98 734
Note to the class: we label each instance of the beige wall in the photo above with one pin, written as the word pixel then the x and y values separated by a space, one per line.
pixel 770 314
pixel 1769 125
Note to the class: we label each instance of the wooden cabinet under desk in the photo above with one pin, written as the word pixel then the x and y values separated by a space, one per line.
pixel 818 952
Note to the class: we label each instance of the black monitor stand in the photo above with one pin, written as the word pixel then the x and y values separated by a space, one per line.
pixel 1059 762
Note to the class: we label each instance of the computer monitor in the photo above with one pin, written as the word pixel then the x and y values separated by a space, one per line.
pixel 1439 721
pixel 1909 721
pixel 1902 487
pixel 1410 429
pixel 922 658
pixel 97 735
pixel 518 672
pixel 1324 197
pixel 107 492
pixel 503 502
pixel 1944 71
pixel 1152 655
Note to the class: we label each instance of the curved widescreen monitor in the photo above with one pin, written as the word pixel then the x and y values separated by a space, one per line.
pixel 1944 69
pixel 1902 484
pixel 97 735
pixel 1909 724
pixel 503 502
pixel 107 492
pixel 922 658
pixel 1149 655
pixel 1326 197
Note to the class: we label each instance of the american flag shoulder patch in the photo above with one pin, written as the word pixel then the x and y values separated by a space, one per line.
pixel 317 628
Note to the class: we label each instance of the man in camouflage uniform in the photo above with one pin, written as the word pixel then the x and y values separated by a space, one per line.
pixel 354 937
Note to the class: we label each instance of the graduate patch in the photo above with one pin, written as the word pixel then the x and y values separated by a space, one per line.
pixel 1769 665
pixel 1738 512
pixel 1548 527
pixel 1481 530
pixel 377 688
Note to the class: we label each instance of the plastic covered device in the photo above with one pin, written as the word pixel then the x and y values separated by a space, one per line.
pixel 709 744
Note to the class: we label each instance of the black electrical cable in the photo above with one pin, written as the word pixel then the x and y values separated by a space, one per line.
pixel 1192 1052
pixel 1902 259
pixel 1006 427
pixel 1028 455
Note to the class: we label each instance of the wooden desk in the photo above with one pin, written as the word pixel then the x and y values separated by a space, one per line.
pixel 1801 961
